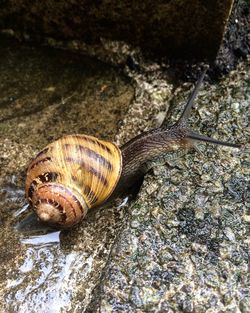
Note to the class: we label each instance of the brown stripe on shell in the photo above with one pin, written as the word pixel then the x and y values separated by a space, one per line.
pixel 64 190
pixel 32 189
pixel 90 194
pixel 86 189
pixel 90 153
pixel 66 200
pixel 88 168
pixel 94 141
pixel 74 178
pixel 39 162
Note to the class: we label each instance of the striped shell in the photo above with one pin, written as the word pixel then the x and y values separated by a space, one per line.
pixel 70 176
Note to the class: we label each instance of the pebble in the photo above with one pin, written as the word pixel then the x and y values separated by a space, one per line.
pixel 235 106
pixel 229 234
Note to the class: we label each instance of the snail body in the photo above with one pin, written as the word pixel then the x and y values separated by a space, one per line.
pixel 78 172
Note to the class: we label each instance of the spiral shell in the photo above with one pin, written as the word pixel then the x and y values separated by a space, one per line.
pixel 70 176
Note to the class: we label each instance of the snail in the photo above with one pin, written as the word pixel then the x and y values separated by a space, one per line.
pixel 79 172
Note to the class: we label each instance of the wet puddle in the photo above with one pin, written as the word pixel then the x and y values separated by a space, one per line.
pixel 55 271
pixel 45 94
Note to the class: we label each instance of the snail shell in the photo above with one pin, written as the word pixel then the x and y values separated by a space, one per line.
pixel 70 176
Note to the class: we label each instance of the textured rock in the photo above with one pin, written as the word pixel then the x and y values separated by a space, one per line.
pixel 185 245
pixel 180 29
pixel 236 43
pixel 181 246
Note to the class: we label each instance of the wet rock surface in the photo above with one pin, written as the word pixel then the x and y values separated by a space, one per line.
pixel 46 88
pixel 181 246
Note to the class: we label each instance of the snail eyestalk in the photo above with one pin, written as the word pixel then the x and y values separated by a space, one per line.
pixel 195 136
pixel 187 110
pixel 183 120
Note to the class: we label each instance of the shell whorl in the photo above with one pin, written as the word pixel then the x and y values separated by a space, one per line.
pixel 70 176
